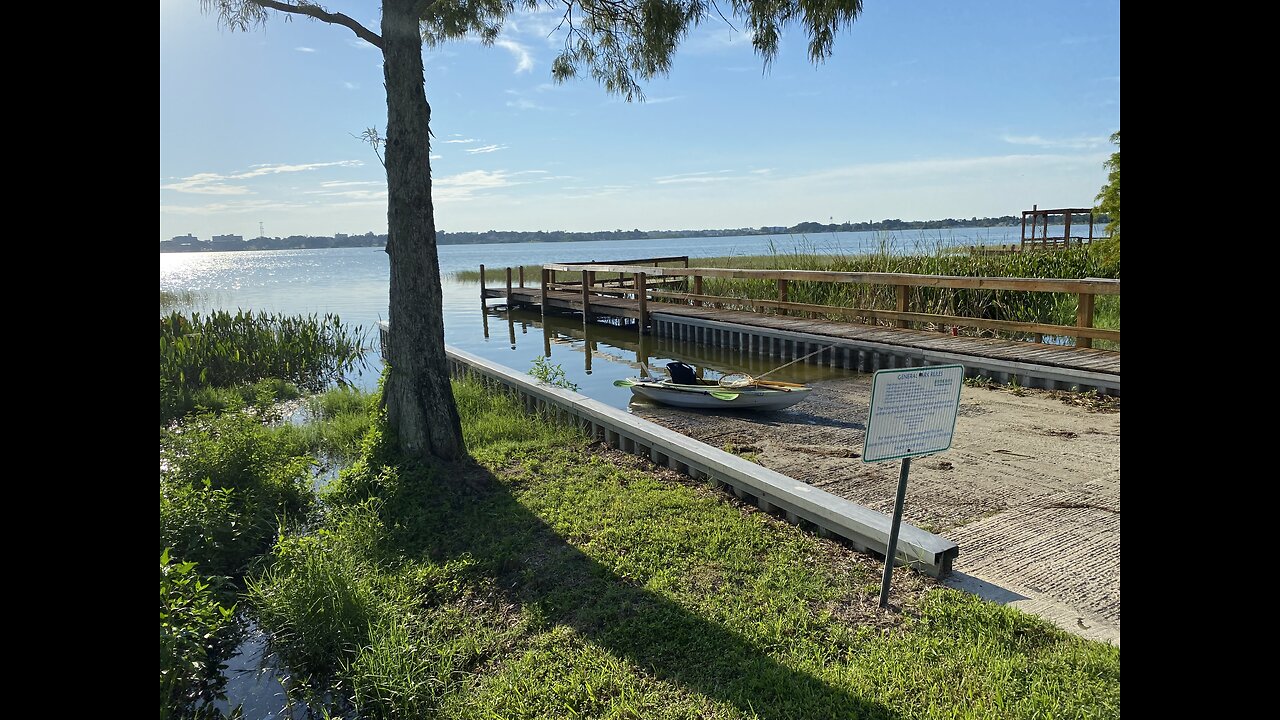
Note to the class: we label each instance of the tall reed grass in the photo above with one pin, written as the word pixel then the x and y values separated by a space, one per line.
pixel 224 350
pixel 1054 308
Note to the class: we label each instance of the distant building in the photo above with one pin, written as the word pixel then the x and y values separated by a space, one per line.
pixel 339 236
pixel 187 239
pixel 227 242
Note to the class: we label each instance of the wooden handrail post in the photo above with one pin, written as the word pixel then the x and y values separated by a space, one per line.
pixel 521 276
pixel 482 282
pixel 642 295
pixel 902 304
pixel 697 290
pixel 546 274
pixel 1084 318
pixel 586 296
pixel 782 295
pixel 508 287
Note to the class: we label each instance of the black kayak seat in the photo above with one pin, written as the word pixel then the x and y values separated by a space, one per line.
pixel 682 374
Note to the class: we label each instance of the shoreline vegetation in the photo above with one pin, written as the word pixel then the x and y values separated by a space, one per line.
pixel 187 243
pixel 546 576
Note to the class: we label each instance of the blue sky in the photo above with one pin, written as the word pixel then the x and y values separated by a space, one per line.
pixel 927 109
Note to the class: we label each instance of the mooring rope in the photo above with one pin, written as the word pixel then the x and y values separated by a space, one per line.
pixel 749 380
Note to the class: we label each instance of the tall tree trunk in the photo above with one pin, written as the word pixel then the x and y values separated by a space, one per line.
pixel 419 400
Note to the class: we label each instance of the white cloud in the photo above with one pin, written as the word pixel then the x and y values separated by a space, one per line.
pixel 486 149
pixel 467 185
pixel 272 169
pixel 1077 143
pixel 352 194
pixel 464 141
pixel 230 207
pixel 305 49
pixel 350 85
pixel 524 61
pixel 206 184
pixel 215 184
pixel 349 183
pixel 695 177
pixel 524 104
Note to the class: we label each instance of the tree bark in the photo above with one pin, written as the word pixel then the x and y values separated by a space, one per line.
pixel 418 396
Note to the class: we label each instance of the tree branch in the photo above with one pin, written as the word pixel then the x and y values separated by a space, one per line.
pixel 319 13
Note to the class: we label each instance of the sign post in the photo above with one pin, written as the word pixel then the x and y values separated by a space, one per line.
pixel 913 413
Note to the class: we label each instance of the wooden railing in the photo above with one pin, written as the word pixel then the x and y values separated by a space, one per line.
pixel 641 289
pixel 682 259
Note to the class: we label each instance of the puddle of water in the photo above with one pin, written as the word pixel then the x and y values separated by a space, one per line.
pixel 256 682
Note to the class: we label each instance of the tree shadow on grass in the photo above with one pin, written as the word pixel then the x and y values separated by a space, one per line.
pixel 536 568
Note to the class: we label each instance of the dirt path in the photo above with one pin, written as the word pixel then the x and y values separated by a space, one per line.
pixel 1030 489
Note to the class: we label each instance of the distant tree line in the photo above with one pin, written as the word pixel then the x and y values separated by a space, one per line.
pixel 305 242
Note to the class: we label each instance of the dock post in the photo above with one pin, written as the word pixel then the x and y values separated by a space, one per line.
pixel 902 304
pixel 508 288
pixel 482 283
pixel 521 276
pixel 545 276
pixel 782 295
pixel 1084 318
pixel 642 296
pixel 586 297
pixel 697 289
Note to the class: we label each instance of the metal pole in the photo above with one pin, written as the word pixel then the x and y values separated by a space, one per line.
pixel 892 550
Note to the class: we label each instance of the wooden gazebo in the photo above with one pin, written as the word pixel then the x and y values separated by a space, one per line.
pixel 1040 220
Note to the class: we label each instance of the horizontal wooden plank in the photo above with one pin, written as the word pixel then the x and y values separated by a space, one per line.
pixel 1047 329
pixel 1095 286
pixel 639 261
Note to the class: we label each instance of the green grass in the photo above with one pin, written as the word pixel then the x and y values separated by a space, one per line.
pixel 550 579
pixel 180 300
pixel 334 424
pixel 495 276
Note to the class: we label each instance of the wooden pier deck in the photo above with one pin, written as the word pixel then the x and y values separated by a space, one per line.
pixel 1063 356
pixel 649 295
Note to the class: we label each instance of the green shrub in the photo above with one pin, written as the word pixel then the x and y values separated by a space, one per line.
pixel 196 630
pixel 225 483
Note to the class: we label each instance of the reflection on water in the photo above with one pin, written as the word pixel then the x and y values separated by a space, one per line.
pixel 353 283
pixel 593 355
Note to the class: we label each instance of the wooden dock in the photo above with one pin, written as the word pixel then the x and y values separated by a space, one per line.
pixel 747 325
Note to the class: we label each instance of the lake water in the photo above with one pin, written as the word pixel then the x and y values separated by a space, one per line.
pixel 352 282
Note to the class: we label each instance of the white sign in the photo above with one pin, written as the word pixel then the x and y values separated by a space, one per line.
pixel 913 411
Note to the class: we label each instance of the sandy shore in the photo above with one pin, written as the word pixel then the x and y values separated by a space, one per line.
pixel 1030 489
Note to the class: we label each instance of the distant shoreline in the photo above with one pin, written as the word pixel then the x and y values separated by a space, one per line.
pixel 300 242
